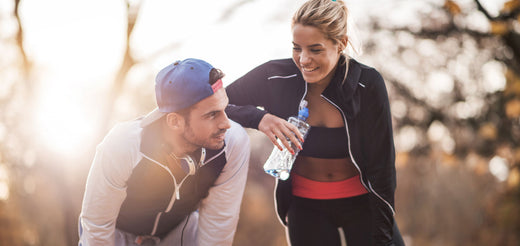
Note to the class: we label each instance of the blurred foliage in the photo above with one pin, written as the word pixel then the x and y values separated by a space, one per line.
pixel 456 127
pixel 463 122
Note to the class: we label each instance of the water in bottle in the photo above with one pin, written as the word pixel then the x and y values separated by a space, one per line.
pixel 280 162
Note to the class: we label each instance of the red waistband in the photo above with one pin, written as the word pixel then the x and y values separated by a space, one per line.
pixel 307 188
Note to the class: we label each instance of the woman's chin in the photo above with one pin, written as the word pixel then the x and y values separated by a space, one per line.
pixel 310 79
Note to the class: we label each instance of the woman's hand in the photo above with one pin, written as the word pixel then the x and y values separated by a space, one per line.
pixel 275 127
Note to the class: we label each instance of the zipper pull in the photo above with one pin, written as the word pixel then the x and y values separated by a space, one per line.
pixel 177 192
pixel 303 104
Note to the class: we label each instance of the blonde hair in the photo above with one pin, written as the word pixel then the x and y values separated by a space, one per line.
pixel 332 18
pixel 328 16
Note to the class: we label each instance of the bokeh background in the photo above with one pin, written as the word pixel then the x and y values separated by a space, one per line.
pixel 71 69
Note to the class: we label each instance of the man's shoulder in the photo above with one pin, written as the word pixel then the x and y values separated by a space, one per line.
pixel 237 141
pixel 236 134
pixel 123 136
pixel 118 153
pixel 237 152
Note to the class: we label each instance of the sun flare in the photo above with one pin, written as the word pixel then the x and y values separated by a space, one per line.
pixel 61 123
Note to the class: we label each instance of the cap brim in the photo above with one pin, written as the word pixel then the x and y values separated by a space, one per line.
pixel 152 117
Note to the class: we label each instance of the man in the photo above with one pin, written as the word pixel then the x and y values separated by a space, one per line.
pixel 175 177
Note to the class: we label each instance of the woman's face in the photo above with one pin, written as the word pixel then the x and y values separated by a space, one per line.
pixel 315 55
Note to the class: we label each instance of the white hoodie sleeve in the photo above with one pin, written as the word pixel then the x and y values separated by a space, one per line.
pixel 219 212
pixel 105 189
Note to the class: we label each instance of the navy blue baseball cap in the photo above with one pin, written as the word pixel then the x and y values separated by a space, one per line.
pixel 181 85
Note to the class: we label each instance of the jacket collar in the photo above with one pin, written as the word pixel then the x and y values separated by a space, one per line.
pixel 344 92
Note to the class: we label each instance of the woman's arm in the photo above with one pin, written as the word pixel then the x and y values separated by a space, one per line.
pixel 250 93
pixel 380 158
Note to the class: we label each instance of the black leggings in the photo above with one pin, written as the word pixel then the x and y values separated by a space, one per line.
pixel 320 222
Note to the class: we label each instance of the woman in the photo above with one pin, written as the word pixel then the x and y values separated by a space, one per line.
pixel 341 187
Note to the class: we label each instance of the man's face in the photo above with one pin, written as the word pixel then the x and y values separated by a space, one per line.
pixel 207 123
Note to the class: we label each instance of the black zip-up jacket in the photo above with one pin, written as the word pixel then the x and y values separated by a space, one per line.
pixel 278 87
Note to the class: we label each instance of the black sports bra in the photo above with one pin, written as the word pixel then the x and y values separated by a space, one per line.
pixel 323 142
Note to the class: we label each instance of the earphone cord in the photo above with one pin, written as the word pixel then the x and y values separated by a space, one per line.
pixel 175 159
pixel 183 228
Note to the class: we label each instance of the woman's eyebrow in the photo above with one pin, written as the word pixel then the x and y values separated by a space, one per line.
pixel 312 45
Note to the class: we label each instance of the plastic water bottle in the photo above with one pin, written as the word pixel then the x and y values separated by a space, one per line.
pixel 280 162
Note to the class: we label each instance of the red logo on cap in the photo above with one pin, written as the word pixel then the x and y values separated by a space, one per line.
pixel 217 85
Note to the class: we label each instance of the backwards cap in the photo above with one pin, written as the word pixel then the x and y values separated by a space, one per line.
pixel 181 85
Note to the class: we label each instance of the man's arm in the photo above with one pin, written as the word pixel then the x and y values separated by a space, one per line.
pixel 219 211
pixel 105 191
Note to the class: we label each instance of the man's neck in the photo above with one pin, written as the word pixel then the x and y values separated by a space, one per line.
pixel 177 143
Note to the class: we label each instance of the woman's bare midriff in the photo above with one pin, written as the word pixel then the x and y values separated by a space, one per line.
pixel 324 170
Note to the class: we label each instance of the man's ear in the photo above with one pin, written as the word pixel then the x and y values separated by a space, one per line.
pixel 175 121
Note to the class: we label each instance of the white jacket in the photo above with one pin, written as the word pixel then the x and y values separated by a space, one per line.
pixel 116 158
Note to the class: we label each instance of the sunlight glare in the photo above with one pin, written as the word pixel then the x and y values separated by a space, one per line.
pixel 85 40
pixel 61 123
pixel 406 139
pixel 469 108
pixel 439 133
pixel 4 191
pixel 493 6
pixel 439 82
pixel 498 167
pixel 493 75
pixel 399 109
pixel 3 132
pixel 4 183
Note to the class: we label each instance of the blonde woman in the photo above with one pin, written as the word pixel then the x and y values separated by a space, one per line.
pixel 341 188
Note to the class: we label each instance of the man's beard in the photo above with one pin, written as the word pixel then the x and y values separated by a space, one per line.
pixel 192 139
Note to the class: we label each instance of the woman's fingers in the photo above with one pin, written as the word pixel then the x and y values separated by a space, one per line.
pixel 295 136
pixel 282 137
pixel 272 137
pixel 277 128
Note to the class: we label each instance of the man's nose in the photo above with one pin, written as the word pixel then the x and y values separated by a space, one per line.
pixel 225 124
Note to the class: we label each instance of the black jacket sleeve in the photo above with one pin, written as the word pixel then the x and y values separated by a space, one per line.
pixel 246 95
pixel 379 154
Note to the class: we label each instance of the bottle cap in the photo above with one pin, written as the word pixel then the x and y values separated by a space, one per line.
pixel 303 113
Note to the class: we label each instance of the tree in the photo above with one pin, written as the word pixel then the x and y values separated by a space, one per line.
pixel 454 92
pixel 49 216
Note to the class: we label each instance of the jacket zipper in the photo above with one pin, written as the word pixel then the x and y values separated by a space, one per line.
pixel 369 187
pixel 303 97
pixel 177 187
pixel 175 195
